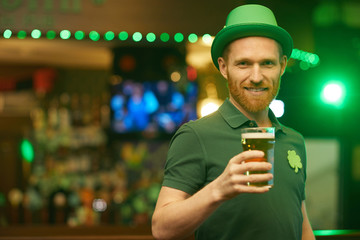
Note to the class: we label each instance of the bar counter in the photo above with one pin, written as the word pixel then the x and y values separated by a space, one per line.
pixel 75 233
pixel 122 233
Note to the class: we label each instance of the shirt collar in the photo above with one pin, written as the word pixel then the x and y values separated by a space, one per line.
pixel 236 119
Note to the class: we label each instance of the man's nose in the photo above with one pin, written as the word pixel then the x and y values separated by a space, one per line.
pixel 256 74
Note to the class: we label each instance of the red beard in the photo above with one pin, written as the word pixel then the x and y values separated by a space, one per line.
pixel 252 102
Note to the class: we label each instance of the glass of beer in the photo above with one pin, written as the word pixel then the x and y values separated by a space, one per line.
pixel 263 139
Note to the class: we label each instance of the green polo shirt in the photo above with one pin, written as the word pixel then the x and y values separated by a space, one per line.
pixel 199 153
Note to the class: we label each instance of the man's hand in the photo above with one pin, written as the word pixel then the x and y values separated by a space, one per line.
pixel 233 180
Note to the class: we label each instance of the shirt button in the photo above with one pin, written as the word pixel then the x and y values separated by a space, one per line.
pixel 251 124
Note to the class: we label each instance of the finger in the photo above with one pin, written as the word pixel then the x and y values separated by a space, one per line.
pixel 247 155
pixel 241 169
pixel 257 177
pixel 260 159
pixel 255 166
pixel 243 179
pixel 253 189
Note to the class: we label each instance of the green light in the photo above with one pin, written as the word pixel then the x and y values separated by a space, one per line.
pixel 193 38
pixel 150 37
pixel 27 150
pixel 36 33
pixel 178 37
pixel 324 232
pixel 65 34
pixel 109 36
pixel 307 57
pixel 302 56
pixel 79 35
pixel 21 34
pixel 334 232
pixel 7 33
pixel 304 65
pixel 137 37
pixel 50 35
pixel 95 36
pixel 206 38
pixel 333 93
pixel 123 35
pixel 314 59
pixel 295 53
pixel 164 37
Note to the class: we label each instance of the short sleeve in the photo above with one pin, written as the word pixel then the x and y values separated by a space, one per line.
pixel 185 168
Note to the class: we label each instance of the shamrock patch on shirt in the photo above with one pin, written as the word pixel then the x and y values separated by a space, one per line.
pixel 294 160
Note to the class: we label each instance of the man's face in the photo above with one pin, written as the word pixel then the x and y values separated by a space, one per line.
pixel 253 69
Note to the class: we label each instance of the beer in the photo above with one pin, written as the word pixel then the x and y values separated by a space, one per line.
pixel 262 139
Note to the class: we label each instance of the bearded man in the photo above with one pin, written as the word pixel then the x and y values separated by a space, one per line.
pixel 205 189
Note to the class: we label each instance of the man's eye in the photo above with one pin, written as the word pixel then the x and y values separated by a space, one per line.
pixel 244 63
pixel 268 63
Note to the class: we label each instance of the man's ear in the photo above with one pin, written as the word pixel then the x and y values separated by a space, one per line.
pixel 283 64
pixel 222 67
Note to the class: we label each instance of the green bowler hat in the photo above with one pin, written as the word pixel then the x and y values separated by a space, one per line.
pixel 248 21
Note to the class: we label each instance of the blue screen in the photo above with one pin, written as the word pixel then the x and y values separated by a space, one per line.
pixel 153 106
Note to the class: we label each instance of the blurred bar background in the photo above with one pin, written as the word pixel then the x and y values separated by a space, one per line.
pixel 91 92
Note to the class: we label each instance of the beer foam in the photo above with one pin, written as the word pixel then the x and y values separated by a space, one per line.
pixel 259 135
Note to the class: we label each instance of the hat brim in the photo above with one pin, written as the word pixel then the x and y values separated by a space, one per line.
pixel 231 33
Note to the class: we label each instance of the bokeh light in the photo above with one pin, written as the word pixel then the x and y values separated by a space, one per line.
pixel 278 108
pixel 65 34
pixel 27 150
pixel 175 76
pixel 123 36
pixel 95 36
pixel 179 37
pixel 109 36
pixel 150 37
pixel 164 37
pixel 333 93
pixel 36 33
pixel 209 108
pixel 193 38
pixel 51 35
pixel 207 39
pixel 99 205
pixel 137 36
pixel 21 34
pixel 7 33
pixel 79 35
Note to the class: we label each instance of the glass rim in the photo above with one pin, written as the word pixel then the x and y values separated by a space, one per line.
pixel 259 130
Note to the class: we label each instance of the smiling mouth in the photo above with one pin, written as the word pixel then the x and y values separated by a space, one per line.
pixel 256 89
